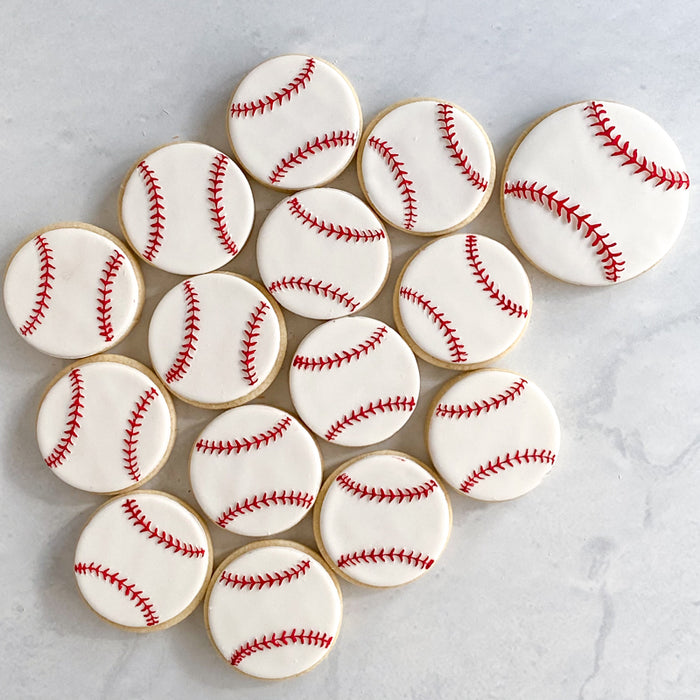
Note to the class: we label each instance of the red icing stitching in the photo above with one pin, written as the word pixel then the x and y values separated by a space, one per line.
pixel 143 602
pixel 104 295
pixel 133 431
pixel 216 184
pixel 397 495
pixel 379 556
pixel 254 442
pixel 265 500
pixel 135 514
pixel 268 102
pixel 310 148
pixel 189 341
pixel 443 410
pixel 500 463
pixel 337 359
pixel 46 269
pixel 250 342
pixel 281 639
pixel 391 158
pixel 400 403
pixel 276 578
pixel 65 444
pixel 157 209
pixel 461 160
pixel 318 287
pixel 673 179
pixel 605 249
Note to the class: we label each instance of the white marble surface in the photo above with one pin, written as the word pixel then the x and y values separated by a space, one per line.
pixel 588 588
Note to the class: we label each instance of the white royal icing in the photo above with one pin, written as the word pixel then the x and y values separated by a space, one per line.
pixel 71 292
pixel 427 166
pixel 493 435
pixel 255 470
pixel 474 310
pixel 274 611
pixel 322 253
pixel 187 208
pixel 294 122
pixel 104 426
pixel 142 560
pixel 595 193
pixel 384 520
pixel 354 381
pixel 215 339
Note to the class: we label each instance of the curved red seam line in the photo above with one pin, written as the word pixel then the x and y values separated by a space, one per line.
pixel 238 445
pixel 280 639
pixel 216 183
pixel 157 209
pixel 500 464
pixel 104 295
pixel 260 581
pixel 318 287
pixel 337 359
pixel 46 270
pixel 250 342
pixel 379 556
pixel 65 445
pixel 673 179
pixel 484 406
pixel 400 403
pixel 605 249
pixel 133 432
pixel 300 499
pixel 392 495
pixel 190 338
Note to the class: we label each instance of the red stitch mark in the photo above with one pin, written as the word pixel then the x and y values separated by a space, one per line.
pixel 157 209
pixel 268 102
pixel 605 249
pixel 265 500
pixel 190 339
pixel 476 408
pixel 502 301
pixel 397 495
pixel 143 602
pixel 458 354
pixel 379 556
pixel 391 158
pixel 104 295
pixel 446 120
pixel 400 403
pixel 43 296
pixel 216 183
pixel 250 342
pixel 672 179
pixel 318 287
pixel 337 359
pixel 254 442
pixel 281 639
pixel 320 143
pixel 139 520
pixel 133 431
pixel 65 445
pixel 276 578
pixel 340 233
pixel 500 463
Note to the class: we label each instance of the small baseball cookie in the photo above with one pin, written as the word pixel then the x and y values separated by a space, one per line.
pixel 354 381
pixel 322 253
pixel 595 193
pixel 217 340
pixel 462 301
pixel 73 290
pixel 105 424
pixel 143 561
pixel 255 470
pixel 273 609
pixel 186 208
pixel 294 122
pixel 492 434
pixel 382 519
pixel 427 167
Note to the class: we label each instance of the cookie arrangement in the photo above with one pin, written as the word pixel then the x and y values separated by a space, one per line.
pixel 594 193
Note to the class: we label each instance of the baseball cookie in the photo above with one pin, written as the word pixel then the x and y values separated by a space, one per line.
pixel 354 381
pixel 143 561
pixel 255 470
pixel 382 519
pixel 473 311
pixel 427 167
pixel 186 208
pixel 595 193
pixel 73 290
pixel 273 609
pixel 217 340
pixel 492 434
pixel 105 424
pixel 294 122
pixel 322 253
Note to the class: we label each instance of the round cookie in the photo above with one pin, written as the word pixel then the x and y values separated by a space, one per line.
pixel 473 311
pixel 186 208
pixel 595 193
pixel 426 166
pixel 294 122
pixel 322 253
pixel 105 424
pixel 143 561
pixel 273 609
pixel 492 434
pixel 217 340
pixel 354 381
pixel 73 290
pixel 255 470
pixel 382 519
